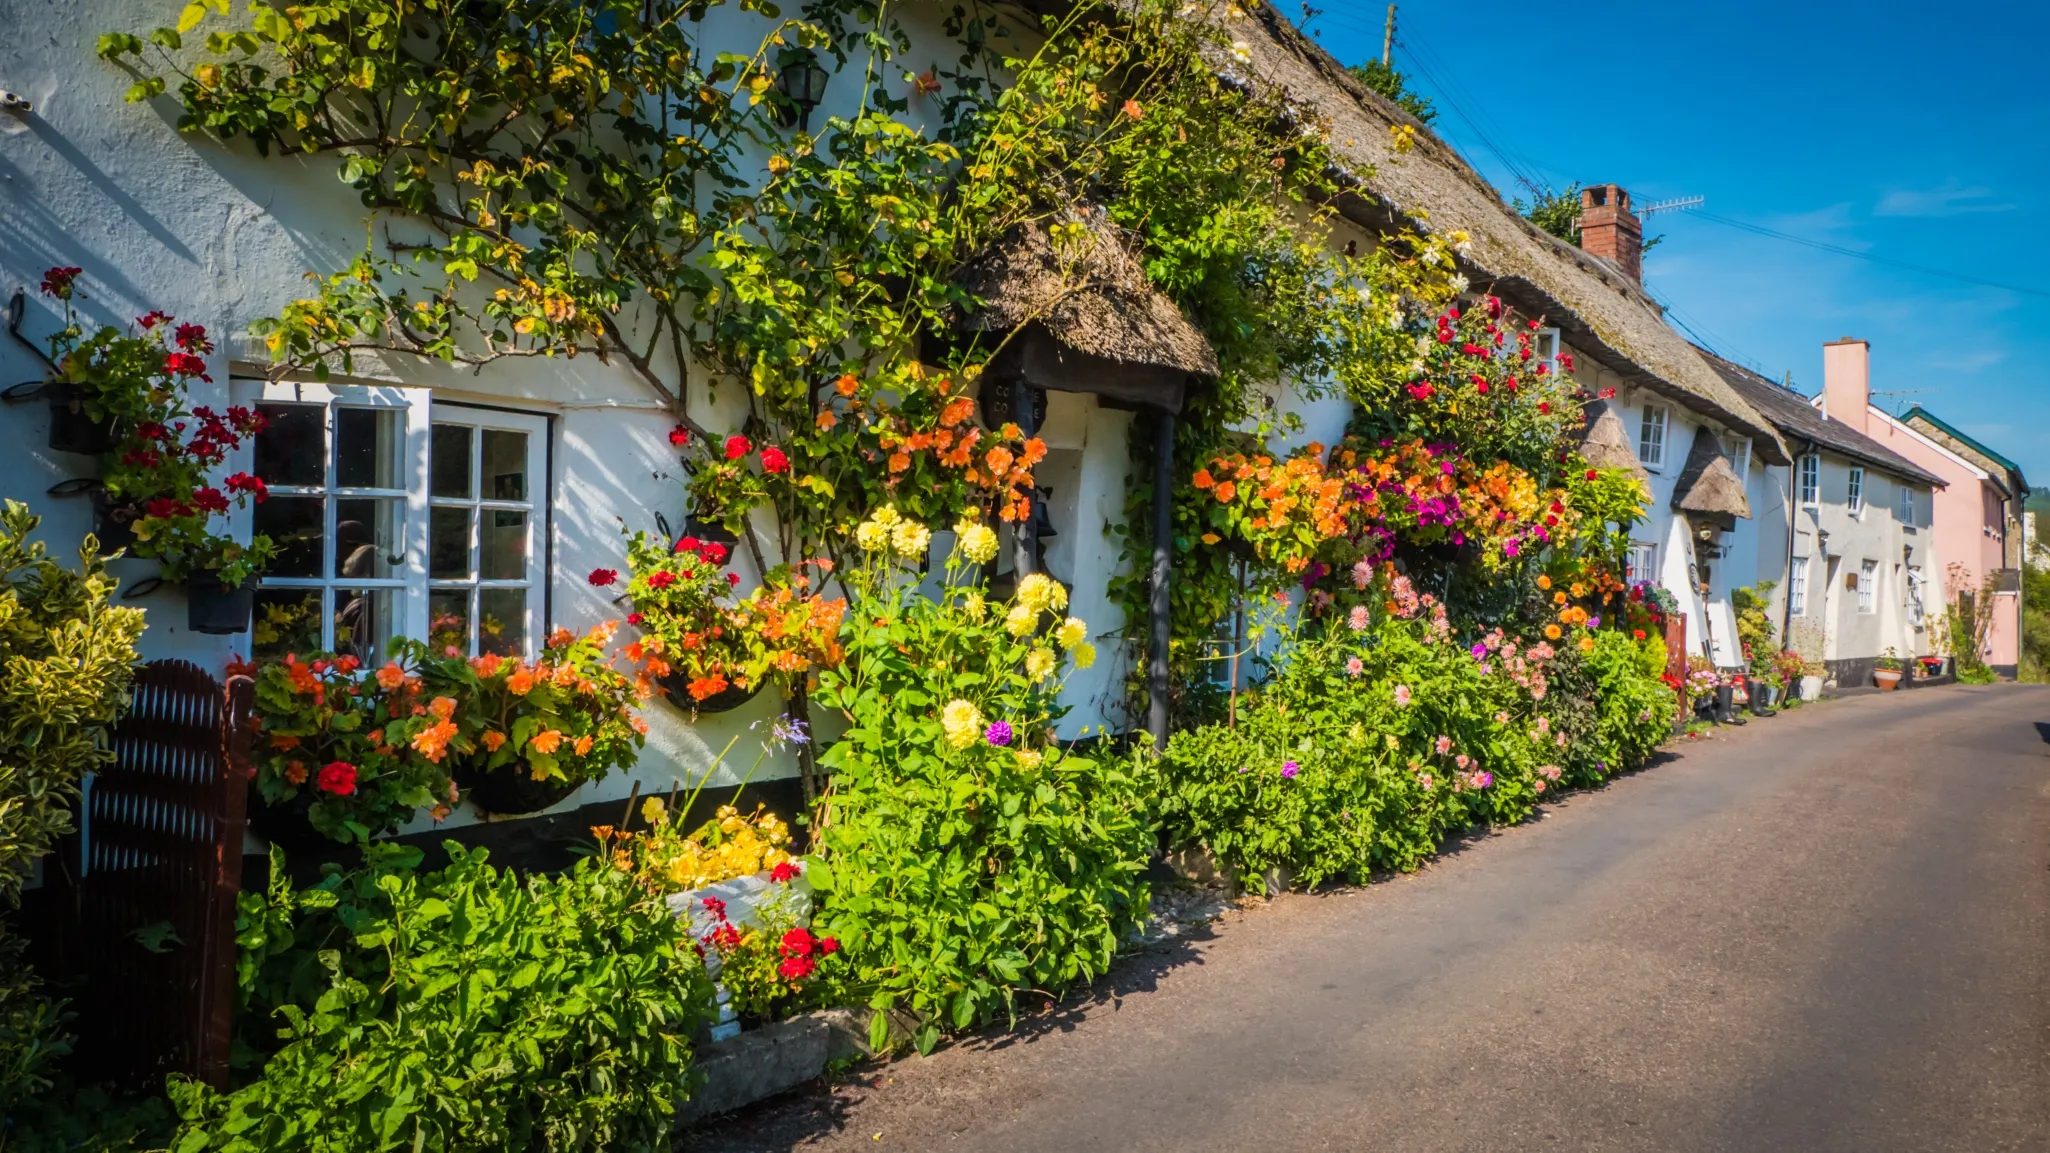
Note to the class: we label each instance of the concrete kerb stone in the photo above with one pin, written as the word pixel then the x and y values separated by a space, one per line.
pixel 761 1063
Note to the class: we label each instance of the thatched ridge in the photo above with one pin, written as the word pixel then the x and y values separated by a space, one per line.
pixel 1708 484
pixel 1090 294
pixel 1598 309
pixel 1606 443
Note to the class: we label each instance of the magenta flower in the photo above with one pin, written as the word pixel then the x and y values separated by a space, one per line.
pixel 1289 769
pixel 998 734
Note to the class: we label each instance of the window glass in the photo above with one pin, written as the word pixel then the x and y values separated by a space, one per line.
pixel 292 450
pixel 1855 496
pixel 1868 586
pixel 1651 436
pixel 1642 562
pixel 368 442
pixel 486 529
pixel 1811 479
pixel 1797 586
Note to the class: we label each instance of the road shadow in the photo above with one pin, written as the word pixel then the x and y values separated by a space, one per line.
pixel 2043 730
pixel 824 1105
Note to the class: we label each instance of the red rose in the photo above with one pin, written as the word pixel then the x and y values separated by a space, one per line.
pixel 337 777
pixel 661 580
pixel 714 552
pixel 603 576
pixel 797 968
pixel 784 872
pixel 737 447
pixel 799 943
pixel 773 460
pixel 678 435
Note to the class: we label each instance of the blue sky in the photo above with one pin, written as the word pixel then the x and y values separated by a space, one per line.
pixel 1915 133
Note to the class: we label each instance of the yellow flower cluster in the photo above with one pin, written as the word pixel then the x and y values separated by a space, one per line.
pixel 1042 593
pixel 664 859
pixel 976 541
pixel 963 722
pixel 887 531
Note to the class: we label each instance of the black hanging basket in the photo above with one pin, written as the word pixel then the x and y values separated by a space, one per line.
pixel 287 825
pixel 71 430
pixel 113 524
pixel 726 700
pixel 511 789
pixel 217 610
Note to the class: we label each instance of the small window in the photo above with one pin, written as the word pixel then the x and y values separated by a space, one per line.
pixel 1917 613
pixel 1868 586
pixel 397 517
pixel 1544 349
pixel 1907 506
pixel 1854 496
pixel 1797 587
pixel 1737 450
pixel 1811 480
pixel 1642 564
pixel 1651 436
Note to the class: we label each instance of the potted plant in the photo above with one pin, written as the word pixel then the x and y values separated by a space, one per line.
pixel 1886 670
pixel 518 735
pixel 334 754
pixel 693 632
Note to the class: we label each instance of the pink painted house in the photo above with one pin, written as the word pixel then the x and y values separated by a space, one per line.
pixel 1976 520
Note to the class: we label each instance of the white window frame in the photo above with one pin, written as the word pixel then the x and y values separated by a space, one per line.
pixel 1854 490
pixel 1737 450
pixel 1652 435
pixel 1641 563
pixel 534 505
pixel 1811 480
pixel 1545 347
pixel 410 582
pixel 1868 586
pixel 1797 587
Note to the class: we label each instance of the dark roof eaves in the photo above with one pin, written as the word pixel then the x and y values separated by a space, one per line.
pixel 2014 471
pixel 1825 431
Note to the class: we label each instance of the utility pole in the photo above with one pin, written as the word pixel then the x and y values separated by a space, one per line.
pixel 1388 40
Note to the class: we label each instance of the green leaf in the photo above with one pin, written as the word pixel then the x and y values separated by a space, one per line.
pixel 817 873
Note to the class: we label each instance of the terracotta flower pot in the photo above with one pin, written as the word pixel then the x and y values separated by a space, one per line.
pixel 1887 679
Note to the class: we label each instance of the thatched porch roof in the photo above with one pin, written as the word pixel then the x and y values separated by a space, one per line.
pixel 1606 442
pixel 1707 483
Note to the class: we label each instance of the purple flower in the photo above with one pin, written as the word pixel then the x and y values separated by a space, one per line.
pixel 998 733
pixel 1594 622
pixel 1483 779
pixel 1289 769
pixel 1479 650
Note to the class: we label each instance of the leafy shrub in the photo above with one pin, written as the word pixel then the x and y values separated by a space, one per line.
pixel 464 1009
pixel 65 658
pixel 969 858
pixel 1372 741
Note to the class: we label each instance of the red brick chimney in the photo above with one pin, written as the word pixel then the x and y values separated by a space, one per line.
pixel 1609 229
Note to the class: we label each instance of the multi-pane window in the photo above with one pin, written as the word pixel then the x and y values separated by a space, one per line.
pixel 484 542
pixel 1544 349
pixel 1868 586
pixel 1797 586
pixel 1811 480
pixel 1651 436
pixel 1642 562
pixel 1737 450
pixel 394 517
pixel 1907 505
pixel 1854 496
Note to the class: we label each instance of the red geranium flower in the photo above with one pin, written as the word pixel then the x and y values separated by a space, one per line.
pixel 244 482
pixel 634 618
pixel 678 435
pixel 661 580
pixel 603 576
pixel 57 282
pixel 337 777
pixel 689 544
pixel 774 460
pixel 192 338
pixel 152 318
pixel 209 500
pixel 737 447
pixel 829 945
pixel 714 551
pixel 784 872
pixel 165 507
pixel 799 943
pixel 186 364
pixel 733 578
pixel 797 968
pixel 716 907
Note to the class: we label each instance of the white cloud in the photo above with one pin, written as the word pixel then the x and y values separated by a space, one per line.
pixel 1950 198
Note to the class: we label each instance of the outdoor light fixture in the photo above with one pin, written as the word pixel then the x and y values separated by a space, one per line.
pixel 802 81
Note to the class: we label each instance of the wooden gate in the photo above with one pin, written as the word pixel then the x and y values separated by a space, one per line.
pixel 151 939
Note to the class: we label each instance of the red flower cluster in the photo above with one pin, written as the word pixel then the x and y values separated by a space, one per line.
pixel 337 777
pixel 57 282
pixel 710 550
pixel 784 872
pixel 801 951
pixel 678 436
pixel 603 576
pixel 737 447
pixel 774 460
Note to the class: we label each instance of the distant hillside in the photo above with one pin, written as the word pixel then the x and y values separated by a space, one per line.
pixel 2039 501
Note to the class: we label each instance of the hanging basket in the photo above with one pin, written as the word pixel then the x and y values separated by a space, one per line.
pixel 71 430
pixel 726 700
pixel 287 825
pixel 113 524
pixel 217 610
pixel 511 789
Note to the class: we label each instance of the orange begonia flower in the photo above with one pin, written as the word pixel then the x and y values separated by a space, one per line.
pixel 899 461
pixel 1203 479
pixel 546 741
pixel 520 683
pixel 1226 491
pixel 493 740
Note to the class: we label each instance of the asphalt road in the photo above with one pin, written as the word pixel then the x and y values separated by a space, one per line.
pixel 1828 930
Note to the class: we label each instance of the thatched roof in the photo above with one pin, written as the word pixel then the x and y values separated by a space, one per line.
pixel 1800 421
pixel 1091 295
pixel 1708 484
pixel 1597 309
pixel 1606 443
